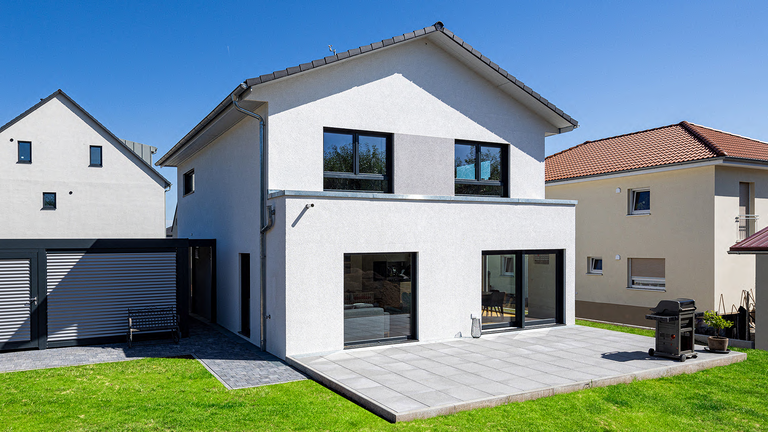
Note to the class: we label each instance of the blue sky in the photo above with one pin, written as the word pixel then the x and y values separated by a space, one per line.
pixel 150 71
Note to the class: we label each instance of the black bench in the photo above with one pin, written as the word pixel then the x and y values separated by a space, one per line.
pixel 152 320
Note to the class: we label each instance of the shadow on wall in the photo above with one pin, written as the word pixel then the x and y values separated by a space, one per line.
pixel 434 71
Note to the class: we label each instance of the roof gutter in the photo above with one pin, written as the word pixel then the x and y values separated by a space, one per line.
pixel 266 221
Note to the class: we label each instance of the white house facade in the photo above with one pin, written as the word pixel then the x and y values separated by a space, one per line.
pixel 64 175
pixel 405 196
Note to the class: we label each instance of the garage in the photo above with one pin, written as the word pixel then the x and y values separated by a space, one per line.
pixel 57 293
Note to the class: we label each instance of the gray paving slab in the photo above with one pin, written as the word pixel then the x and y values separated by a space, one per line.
pixel 235 362
pixel 495 369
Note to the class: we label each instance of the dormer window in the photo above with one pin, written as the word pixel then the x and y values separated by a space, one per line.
pixel 357 161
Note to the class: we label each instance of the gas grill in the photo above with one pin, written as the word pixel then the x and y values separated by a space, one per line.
pixel 674 328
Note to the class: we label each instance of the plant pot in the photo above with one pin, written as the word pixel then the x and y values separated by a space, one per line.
pixel 717 343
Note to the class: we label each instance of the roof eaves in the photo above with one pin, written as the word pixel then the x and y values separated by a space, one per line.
pixel 637 169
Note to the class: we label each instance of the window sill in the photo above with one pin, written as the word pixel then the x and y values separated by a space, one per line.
pixel 188 194
pixel 647 289
pixel 594 274
pixel 94 166
pixel 638 214
pixel 24 162
pixel 48 209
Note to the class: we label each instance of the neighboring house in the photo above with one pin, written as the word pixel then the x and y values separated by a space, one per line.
pixel 406 194
pixel 658 210
pixel 64 175
pixel 757 245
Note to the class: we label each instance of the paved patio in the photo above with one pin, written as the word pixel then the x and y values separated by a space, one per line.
pixel 421 380
pixel 233 361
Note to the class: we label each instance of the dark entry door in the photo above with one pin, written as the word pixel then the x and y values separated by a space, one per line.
pixel 18 301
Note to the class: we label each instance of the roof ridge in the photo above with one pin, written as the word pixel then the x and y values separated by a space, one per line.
pixel 709 143
pixel 728 133
pixel 611 137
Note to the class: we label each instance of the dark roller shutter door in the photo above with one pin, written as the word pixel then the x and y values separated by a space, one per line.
pixel 89 294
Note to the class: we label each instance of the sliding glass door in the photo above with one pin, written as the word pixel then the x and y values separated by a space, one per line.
pixel 379 297
pixel 522 288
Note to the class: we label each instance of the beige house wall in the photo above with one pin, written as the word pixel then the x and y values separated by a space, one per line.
pixel 680 229
pixel 735 273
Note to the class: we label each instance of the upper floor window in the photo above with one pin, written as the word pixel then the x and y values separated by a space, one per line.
pixel 480 169
pixel 639 201
pixel 95 156
pixel 49 200
pixel 25 152
pixel 595 265
pixel 189 182
pixel 357 161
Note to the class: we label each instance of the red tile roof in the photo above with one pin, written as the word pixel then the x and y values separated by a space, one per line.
pixel 681 142
pixel 756 242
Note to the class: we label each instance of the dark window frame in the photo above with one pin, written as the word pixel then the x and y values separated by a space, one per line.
pixel 519 322
pixel 18 149
pixel 101 156
pixel 191 189
pixel 48 207
pixel 355 174
pixel 504 182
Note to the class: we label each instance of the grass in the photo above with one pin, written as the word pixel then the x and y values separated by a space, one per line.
pixel 180 394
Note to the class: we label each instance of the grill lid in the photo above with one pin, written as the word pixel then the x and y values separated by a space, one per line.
pixel 674 307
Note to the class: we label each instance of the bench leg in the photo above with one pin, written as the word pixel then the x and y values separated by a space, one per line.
pixel 130 339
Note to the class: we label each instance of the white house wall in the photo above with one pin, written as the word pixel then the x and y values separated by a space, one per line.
pixel 447 237
pixel 224 206
pixel 118 200
pixel 412 88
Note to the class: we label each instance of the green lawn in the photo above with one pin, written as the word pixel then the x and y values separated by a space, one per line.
pixel 179 394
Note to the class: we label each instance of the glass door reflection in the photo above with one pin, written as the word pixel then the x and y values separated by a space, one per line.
pixel 521 288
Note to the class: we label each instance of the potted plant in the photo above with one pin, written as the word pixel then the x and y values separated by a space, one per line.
pixel 717 342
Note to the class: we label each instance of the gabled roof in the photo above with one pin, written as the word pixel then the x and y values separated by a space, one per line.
pixel 757 242
pixel 453 44
pixel 132 154
pixel 677 143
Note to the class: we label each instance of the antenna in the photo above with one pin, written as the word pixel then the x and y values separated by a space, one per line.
pixel 330 48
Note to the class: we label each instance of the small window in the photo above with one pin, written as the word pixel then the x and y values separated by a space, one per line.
pixel 647 273
pixel 357 161
pixel 189 182
pixel 595 265
pixel 25 152
pixel 480 169
pixel 95 156
pixel 49 201
pixel 639 201
pixel 507 265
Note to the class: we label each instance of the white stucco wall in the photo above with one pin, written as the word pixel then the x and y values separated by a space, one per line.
pixel 224 206
pixel 412 88
pixel 734 273
pixel 448 238
pixel 118 200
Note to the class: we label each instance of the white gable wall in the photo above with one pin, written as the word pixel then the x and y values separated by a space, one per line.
pixel 413 88
pixel 117 200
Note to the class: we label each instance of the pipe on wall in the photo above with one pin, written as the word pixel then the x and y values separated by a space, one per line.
pixel 266 221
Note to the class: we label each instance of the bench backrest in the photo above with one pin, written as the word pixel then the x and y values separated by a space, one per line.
pixel 149 318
